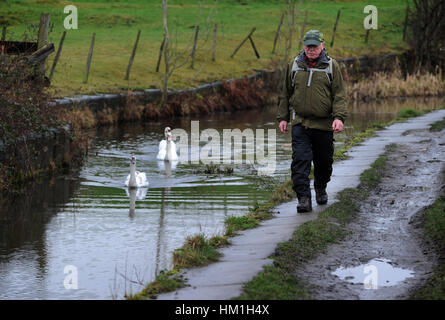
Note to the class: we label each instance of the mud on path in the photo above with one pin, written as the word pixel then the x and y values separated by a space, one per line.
pixel 383 228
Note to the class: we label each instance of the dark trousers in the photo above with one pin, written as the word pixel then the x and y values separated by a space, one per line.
pixel 311 145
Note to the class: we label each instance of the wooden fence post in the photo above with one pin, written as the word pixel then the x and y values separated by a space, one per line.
pixel 367 35
pixel 335 28
pixel 2 47
pixel 56 59
pixel 90 56
pixel 42 39
pixel 215 28
pixel 277 35
pixel 133 53
pixel 4 33
pixel 253 46
pixel 302 30
pixel 406 23
pixel 242 42
pixel 195 41
pixel 160 55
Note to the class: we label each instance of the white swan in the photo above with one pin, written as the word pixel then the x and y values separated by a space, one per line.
pixel 167 147
pixel 135 179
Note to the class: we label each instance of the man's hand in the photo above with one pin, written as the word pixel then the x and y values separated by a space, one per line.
pixel 283 126
pixel 337 125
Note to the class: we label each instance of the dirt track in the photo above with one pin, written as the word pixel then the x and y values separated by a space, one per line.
pixel 384 230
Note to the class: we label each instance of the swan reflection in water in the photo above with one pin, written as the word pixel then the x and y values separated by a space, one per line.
pixel 135 194
pixel 168 166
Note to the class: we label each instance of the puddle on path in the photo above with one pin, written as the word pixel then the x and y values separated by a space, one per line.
pixel 374 274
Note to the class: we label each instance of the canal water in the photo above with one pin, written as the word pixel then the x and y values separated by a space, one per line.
pixel 85 236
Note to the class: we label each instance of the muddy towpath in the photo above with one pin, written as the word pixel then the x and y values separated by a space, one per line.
pixel 384 256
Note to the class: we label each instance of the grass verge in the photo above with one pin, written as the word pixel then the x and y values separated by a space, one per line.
pixel 433 224
pixel 438 126
pixel 165 282
pixel 311 238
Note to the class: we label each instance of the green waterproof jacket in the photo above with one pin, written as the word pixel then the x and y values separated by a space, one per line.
pixel 317 105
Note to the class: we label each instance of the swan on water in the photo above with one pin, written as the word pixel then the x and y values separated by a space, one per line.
pixel 135 179
pixel 167 147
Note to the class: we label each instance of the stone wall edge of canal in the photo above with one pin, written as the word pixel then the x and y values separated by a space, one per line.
pixel 115 101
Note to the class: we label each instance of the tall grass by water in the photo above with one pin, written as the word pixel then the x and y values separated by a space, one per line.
pixel 388 85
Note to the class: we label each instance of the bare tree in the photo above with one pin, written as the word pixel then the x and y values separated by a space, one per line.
pixel 427 37
pixel 288 40
pixel 290 11
pixel 168 72
pixel 173 57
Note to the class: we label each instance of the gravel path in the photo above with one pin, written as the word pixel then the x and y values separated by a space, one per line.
pixel 383 237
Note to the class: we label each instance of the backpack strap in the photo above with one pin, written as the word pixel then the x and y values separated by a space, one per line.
pixel 328 71
pixel 296 68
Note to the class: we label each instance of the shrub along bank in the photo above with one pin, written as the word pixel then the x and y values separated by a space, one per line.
pixel 32 138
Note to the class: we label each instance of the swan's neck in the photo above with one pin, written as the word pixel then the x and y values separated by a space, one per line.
pixel 132 182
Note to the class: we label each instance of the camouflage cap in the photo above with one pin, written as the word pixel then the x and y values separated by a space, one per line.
pixel 313 38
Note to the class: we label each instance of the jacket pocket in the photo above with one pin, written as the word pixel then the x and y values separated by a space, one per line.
pixel 298 99
pixel 321 96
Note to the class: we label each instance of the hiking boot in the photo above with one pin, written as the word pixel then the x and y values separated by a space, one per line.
pixel 304 204
pixel 321 196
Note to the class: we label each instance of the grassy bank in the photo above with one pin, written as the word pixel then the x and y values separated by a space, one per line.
pixel 433 225
pixel 116 24
pixel 438 125
pixel 434 230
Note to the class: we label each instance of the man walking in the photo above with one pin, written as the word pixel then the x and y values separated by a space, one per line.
pixel 313 101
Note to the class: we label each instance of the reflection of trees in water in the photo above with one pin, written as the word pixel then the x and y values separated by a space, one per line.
pixel 110 135
pixel 137 274
pixel 161 230
pixel 23 217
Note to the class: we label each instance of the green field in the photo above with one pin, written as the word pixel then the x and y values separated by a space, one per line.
pixel 116 24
